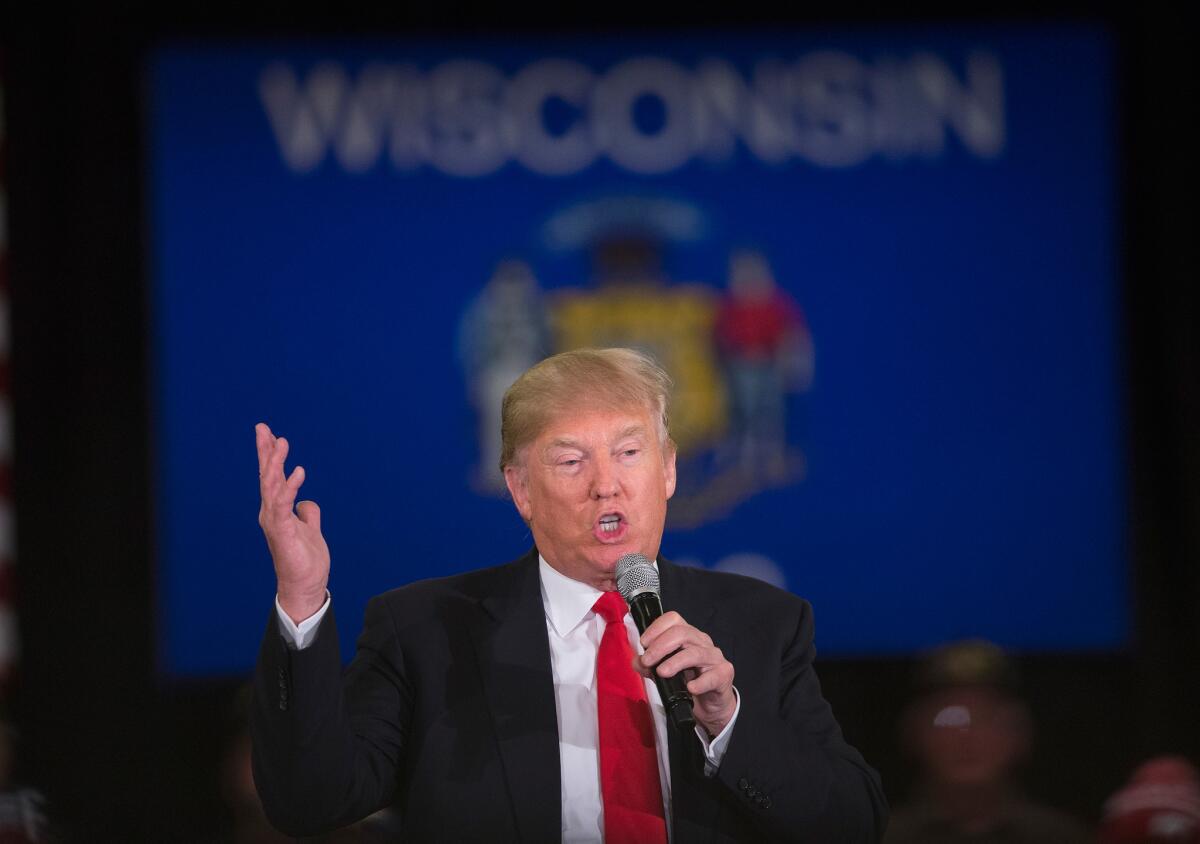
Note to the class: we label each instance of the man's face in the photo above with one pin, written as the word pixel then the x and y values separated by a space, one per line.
pixel 594 486
pixel 970 736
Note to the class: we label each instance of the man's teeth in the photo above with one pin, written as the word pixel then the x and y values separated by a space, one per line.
pixel 608 524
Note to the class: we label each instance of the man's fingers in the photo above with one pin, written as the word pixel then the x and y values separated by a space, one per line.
pixel 309 513
pixel 287 497
pixel 263 441
pixel 280 453
pixel 720 677
pixel 694 656
pixel 272 476
pixel 672 639
pixel 295 480
pixel 644 670
pixel 660 626
pixel 278 491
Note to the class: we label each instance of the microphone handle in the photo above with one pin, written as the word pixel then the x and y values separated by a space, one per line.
pixel 676 701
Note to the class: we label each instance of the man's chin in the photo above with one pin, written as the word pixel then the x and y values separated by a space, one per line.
pixel 597 567
pixel 604 566
pixel 613 555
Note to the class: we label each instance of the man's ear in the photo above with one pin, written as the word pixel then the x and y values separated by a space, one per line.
pixel 516 478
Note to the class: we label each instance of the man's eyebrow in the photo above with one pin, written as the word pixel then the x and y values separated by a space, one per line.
pixel 632 431
pixel 572 442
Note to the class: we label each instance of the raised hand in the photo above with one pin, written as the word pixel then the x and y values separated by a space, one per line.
pixel 681 647
pixel 293 530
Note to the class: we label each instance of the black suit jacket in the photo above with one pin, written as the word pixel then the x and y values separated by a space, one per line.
pixel 448 712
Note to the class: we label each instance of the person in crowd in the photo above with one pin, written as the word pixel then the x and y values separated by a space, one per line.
pixel 247 823
pixel 969 730
pixel 22 809
pixel 1159 805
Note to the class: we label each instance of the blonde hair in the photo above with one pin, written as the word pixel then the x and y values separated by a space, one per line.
pixel 617 379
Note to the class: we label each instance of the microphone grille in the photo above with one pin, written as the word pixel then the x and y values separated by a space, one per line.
pixel 635 576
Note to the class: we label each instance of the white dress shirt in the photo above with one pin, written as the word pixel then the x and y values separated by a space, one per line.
pixel 574 632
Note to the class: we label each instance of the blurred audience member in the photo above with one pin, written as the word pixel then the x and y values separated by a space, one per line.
pixel 250 824
pixel 969 730
pixel 21 809
pixel 1160 803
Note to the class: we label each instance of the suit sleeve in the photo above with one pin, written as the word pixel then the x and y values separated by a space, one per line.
pixel 326 747
pixel 787 765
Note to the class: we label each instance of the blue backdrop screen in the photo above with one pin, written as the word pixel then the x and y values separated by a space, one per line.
pixel 879 265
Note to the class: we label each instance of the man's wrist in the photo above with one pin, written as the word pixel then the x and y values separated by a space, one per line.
pixel 301 606
pixel 715 744
pixel 714 726
pixel 300 636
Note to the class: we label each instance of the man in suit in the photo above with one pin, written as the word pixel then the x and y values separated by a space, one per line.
pixel 484 706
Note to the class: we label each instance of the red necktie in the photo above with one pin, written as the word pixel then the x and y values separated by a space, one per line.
pixel 632 796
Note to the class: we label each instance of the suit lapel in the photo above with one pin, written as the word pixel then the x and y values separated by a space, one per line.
pixel 514 661
pixel 692 804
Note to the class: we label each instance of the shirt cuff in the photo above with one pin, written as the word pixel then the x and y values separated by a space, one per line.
pixel 714 750
pixel 300 636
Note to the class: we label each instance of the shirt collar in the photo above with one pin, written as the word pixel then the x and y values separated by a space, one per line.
pixel 567 601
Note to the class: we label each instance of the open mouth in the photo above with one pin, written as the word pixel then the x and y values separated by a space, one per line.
pixel 610 523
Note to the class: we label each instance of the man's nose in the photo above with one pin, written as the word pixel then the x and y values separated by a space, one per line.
pixel 604 479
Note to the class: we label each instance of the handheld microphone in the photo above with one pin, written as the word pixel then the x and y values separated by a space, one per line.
pixel 637 581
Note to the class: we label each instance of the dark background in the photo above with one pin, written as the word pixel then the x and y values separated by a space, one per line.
pixel 123 756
